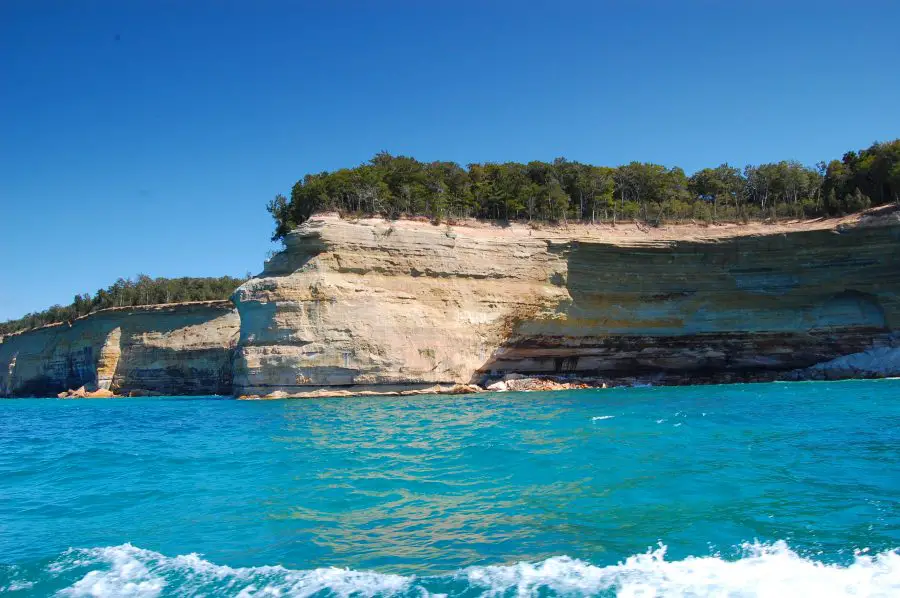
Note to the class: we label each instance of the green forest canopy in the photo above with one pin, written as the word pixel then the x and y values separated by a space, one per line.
pixel 126 292
pixel 561 190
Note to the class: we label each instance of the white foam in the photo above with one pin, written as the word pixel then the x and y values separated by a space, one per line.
pixel 601 417
pixel 135 572
pixel 16 586
pixel 764 571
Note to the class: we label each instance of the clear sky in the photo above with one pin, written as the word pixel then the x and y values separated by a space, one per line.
pixel 146 136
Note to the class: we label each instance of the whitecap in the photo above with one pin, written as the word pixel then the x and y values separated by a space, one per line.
pixel 127 570
pixel 601 417
pixel 763 571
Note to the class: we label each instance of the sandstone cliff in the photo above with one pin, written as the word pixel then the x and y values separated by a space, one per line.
pixel 373 305
pixel 170 349
pixel 378 304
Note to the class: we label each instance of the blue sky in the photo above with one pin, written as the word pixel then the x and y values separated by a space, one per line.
pixel 147 136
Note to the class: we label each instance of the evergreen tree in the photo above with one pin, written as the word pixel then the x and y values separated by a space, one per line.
pixel 126 292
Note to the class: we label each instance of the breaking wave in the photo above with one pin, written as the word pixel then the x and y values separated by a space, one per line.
pixel 763 570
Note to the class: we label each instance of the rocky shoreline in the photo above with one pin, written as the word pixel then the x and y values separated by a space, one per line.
pixel 876 363
pixel 103 393
pixel 881 363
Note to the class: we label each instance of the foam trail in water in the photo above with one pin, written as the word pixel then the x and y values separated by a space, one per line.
pixel 601 417
pixel 765 570
pixel 130 571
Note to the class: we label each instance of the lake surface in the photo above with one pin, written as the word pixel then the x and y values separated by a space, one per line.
pixel 742 490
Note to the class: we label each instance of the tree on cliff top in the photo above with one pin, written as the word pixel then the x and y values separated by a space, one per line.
pixel 126 292
pixel 563 190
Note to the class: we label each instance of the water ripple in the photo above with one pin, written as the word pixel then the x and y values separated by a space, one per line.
pixel 431 486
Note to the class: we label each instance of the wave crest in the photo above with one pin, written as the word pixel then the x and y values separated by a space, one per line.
pixel 136 572
pixel 764 570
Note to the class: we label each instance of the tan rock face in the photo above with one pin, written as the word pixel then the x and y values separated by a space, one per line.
pixel 373 303
pixel 366 306
pixel 742 305
pixel 169 349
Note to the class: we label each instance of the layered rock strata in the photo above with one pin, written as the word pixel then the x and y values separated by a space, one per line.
pixel 385 305
pixel 378 305
pixel 373 306
pixel 180 349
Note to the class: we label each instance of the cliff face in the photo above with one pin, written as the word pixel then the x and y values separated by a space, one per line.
pixel 171 349
pixel 734 308
pixel 383 306
pixel 379 304
pixel 375 304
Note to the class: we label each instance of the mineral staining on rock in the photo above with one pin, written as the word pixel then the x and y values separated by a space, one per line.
pixel 373 304
pixel 167 349
pixel 738 307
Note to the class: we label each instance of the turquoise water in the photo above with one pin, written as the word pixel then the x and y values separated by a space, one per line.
pixel 744 490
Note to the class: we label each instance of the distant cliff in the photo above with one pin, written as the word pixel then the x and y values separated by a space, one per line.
pixel 179 349
pixel 377 304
